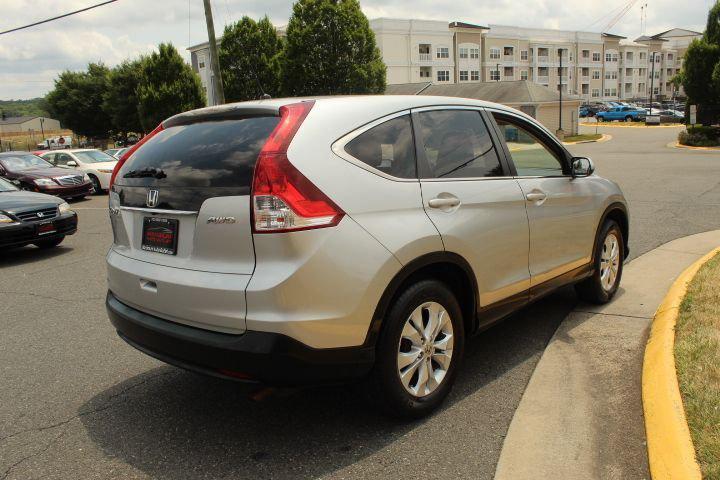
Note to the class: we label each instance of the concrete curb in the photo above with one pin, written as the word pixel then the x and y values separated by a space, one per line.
pixel 581 415
pixel 605 137
pixel 671 454
pixel 688 147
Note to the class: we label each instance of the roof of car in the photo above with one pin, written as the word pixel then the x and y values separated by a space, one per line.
pixel 14 152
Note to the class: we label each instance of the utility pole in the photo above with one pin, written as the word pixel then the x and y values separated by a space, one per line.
pixel 497 69
pixel 652 81
pixel 214 61
pixel 560 51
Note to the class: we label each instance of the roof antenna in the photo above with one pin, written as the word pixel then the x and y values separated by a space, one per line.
pixel 264 95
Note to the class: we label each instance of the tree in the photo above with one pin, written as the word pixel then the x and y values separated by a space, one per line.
pixel 77 101
pixel 330 49
pixel 120 101
pixel 168 86
pixel 700 74
pixel 249 60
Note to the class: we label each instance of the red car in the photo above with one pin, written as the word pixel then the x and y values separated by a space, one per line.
pixel 30 172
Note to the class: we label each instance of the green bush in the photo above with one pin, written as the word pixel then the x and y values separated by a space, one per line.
pixel 700 137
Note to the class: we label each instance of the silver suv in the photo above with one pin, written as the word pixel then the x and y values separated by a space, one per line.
pixel 299 241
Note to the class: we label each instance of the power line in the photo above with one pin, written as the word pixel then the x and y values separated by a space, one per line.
pixel 58 17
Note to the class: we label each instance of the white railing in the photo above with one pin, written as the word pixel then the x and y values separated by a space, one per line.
pixel 425 57
pixel 543 79
pixel 543 58
pixel 508 58
pixel 585 78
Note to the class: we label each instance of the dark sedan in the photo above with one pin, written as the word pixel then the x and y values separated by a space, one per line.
pixel 30 172
pixel 33 218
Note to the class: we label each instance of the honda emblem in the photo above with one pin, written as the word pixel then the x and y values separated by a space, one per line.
pixel 152 198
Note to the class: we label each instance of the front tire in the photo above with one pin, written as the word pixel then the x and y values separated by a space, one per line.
pixel 419 351
pixel 50 243
pixel 601 287
pixel 96 184
pixel 628 118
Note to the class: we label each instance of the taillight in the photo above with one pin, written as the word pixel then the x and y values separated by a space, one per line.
pixel 284 199
pixel 132 150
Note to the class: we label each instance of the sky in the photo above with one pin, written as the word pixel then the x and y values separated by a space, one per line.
pixel 31 59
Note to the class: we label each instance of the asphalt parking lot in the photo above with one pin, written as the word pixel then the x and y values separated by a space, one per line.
pixel 77 402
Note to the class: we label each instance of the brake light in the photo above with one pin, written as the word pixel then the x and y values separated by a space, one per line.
pixel 132 150
pixel 284 199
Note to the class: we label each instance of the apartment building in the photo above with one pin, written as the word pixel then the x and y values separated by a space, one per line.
pixel 595 66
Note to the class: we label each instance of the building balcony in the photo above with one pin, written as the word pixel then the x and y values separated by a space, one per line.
pixel 585 79
pixel 425 57
pixel 543 59
pixel 543 79
pixel 508 58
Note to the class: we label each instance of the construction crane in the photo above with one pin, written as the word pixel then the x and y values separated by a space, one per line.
pixel 614 20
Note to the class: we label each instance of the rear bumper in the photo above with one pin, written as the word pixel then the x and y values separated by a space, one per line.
pixel 266 357
pixel 27 232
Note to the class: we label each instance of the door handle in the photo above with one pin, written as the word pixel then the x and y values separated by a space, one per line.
pixel 536 196
pixel 444 202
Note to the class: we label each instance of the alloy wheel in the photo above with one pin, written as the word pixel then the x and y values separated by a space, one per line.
pixel 609 261
pixel 425 349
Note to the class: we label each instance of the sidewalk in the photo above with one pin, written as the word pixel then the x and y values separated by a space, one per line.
pixel 581 414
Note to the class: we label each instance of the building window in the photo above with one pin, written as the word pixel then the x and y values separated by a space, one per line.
pixel 201 62
pixel 494 75
pixel 596 56
pixel 608 57
pixel 443 52
pixel 586 54
pixel 595 92
pixel 474 53
pixel 596 75
pixel 585 89
pixel 475 75
pixel 463 75
pixel 463 52
pixel 607 92
pixel 495 53
pixel 523 75
pixel 443 76
pixel 508 72
pixel 641 87
pixel 669 56
pixel 425 72
pixel 643 55
pixel 508 51
pixel 611 75
pixel 523 55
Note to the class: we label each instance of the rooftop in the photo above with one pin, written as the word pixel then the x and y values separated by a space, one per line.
pixel 16 120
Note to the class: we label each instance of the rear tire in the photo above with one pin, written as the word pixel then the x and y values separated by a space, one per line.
pixel 600 119
pixel 51 243
pixel 608 260
pixel 628 118
pixel 418 352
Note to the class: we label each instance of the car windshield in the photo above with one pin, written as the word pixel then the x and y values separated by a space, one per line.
pixel 94 156
pixel 6 186
pixel 14 163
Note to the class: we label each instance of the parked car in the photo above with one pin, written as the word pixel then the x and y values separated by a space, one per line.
pixel 97 165
pixel 33 218
pixel 626 114
pixel 589 110
pixel 30 172
pixel 341 238
pixel 671 116
pixel 116 152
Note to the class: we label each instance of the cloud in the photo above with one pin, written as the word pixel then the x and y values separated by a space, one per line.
pixel 30 59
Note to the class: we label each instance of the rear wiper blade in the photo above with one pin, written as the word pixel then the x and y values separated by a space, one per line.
pixel 145 172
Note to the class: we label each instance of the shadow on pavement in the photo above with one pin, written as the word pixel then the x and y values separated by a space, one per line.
pixel 173 424
pixel 30 254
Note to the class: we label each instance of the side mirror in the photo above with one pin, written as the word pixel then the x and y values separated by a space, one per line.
pixel 71 163
pixel 582 167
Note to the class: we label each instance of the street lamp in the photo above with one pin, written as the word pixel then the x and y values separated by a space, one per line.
pixel 560 132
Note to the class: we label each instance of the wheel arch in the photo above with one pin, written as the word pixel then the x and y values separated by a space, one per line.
pixel 450 268
pixel 618 212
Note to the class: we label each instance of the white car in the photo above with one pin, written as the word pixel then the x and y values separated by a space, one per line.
pixel 96 164
pixel 117 152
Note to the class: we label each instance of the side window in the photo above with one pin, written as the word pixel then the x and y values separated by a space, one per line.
pixel 388 147
pixel 62 158
pixel 50 157
pixel 457 144
pixel 531 156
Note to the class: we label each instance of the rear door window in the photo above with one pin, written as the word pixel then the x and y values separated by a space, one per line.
pixel 457 144
pixel 387 147
pixel 206 154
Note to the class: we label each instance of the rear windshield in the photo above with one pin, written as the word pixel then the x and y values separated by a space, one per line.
pixel 208 154
pixel 94 156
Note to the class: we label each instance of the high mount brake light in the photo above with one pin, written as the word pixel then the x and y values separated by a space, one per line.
pixel 283 199
pixel 132 150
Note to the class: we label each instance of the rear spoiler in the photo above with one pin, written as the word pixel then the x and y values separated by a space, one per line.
pixel 222 112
